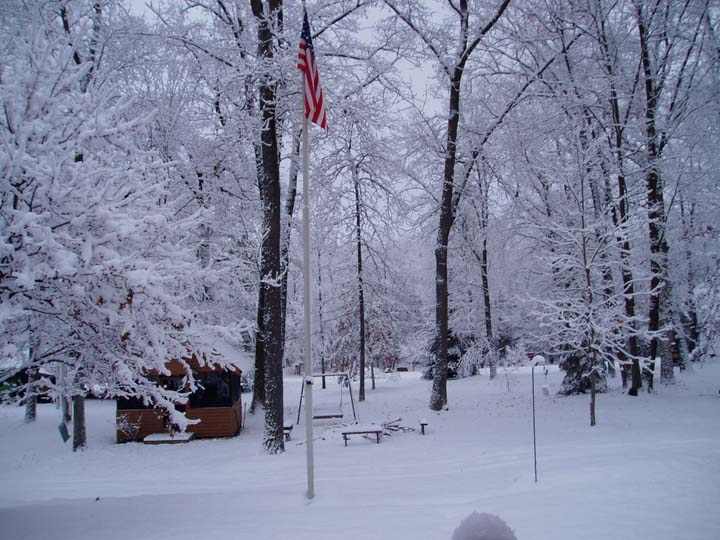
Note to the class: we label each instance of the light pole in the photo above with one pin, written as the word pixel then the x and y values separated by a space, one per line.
pixel 537 359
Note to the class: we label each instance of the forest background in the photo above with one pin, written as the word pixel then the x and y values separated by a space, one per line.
pixel 499 179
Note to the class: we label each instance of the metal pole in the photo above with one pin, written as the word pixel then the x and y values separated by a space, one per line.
pixel 352 401
pixel 533 414
pixel 535 360
pixel 308 335
pixel 302 390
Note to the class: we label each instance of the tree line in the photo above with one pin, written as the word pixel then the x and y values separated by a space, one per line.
pixel 534 175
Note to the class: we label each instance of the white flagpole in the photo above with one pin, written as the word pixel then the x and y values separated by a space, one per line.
pixel 306 296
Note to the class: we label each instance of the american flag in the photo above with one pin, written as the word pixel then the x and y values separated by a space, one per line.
pixel 314 102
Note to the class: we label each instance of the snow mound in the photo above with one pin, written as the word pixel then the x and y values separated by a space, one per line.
pixel 483 527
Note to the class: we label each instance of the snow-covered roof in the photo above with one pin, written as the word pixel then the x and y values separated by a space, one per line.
pixel 237 356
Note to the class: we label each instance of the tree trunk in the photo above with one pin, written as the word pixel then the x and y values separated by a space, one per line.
pixel 259 368
pixel 33 374
pixel 65 409
pixel 622 219
pixel 31 395
pixel 289 211
pixel 320 322
pixel 485 277
pixel 438 397
pixel 691 334
pixel 361 290
pixel 667 348
pixel 592 397
pixel 64 399
pixel 79 433
pixel 590 301
pixel 271 269
pixel 258 399
pixel 656 205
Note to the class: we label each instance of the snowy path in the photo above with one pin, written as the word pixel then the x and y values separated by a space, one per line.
pixel 650 469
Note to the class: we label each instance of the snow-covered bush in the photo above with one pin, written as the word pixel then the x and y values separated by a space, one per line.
pixel 477 355
pixel 455 350
pixel 517 355
pixel 483 527
pixel 577 369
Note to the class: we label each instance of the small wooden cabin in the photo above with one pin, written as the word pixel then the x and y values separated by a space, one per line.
pixel 217 404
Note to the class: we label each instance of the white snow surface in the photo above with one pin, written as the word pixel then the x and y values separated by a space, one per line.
pixel 650 469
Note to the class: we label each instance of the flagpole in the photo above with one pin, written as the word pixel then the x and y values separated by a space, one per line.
pixel 306 296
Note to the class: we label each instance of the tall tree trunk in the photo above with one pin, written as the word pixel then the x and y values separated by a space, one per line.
pixel 631 370
pixel 591 350
pixel 485 272
pixel 258 399
pixel 238 29
pixel 204 249
pixel 289 211
pixel 271 269
pixel 438 397
pixel 79 432
pixel 621 220
pixel 627 278
pixel 321 326
pixel 692 317
pixel 33 374
pixel 259 373
pixel 656 207
pixel 361 290
pixel 488 309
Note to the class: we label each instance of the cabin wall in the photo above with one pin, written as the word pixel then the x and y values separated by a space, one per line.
pixel 135 425
pixel 214 422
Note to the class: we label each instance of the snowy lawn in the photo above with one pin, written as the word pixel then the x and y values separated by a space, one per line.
pixel 650 469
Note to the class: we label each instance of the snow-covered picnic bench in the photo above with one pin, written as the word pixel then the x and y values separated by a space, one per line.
pixel 168 438
pixel 287 429
pixel 362 430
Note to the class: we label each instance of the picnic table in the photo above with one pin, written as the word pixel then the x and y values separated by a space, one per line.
pixel 362 430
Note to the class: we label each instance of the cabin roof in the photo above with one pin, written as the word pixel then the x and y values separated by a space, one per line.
pixel 216 356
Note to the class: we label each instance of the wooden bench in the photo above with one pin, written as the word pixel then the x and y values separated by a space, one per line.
pixel 368 430
pixel 287 429
pixel 423 422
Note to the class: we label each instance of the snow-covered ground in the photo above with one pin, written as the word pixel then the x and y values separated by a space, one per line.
pixel 650 469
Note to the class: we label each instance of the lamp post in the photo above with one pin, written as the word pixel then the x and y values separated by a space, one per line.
pixel 537 359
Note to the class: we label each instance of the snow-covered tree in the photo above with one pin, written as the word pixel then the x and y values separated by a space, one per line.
pixel 93 257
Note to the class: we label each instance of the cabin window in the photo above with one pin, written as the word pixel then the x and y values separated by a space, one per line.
pixel 174 383
pixel 135 403
pixel 215 389
pixel 131 404
pixel 235 388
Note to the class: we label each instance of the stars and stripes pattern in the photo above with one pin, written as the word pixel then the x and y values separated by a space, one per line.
pixel 314 101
